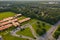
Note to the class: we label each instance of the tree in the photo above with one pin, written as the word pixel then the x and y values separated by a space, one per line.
pixel 40 31
pixel 43 24
pixel 38 24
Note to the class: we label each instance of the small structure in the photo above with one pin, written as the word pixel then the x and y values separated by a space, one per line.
pixel 1 38
pixel 18 15
pixel 58 38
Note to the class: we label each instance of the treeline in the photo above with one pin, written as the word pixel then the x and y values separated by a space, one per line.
pixel 48 14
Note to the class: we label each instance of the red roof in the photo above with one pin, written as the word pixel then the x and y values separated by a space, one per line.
pixel 26 19
pixel 9 18
pixel 10 21
pixel 6 26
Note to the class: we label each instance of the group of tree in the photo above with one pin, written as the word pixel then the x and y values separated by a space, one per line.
pixel 40 29
pixel 43 13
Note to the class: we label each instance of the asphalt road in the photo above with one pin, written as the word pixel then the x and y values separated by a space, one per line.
pixel 49 33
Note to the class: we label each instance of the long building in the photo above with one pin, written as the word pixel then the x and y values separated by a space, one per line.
pixel 26 19
pixel 5 27
pixel 6 19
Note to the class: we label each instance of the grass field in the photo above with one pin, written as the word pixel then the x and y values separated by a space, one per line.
pixel 25 32
pixel 6 14
pixel 33 22
pixel 6 35
pixel 9 37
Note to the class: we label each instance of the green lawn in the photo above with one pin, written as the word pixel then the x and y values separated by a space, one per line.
pixel 6 14
pixel 33 22
pixel 10 37
pixel 6 35
pixel 25 32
